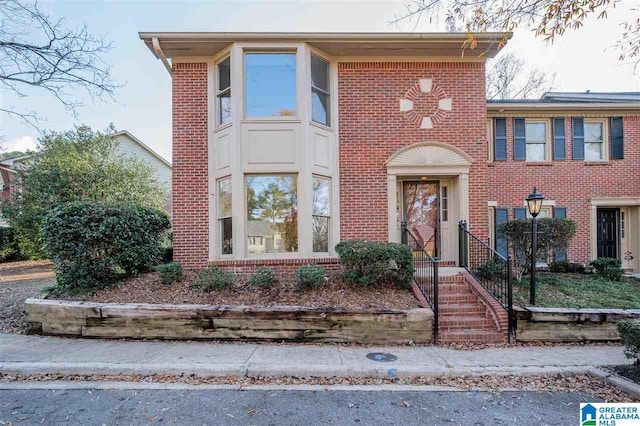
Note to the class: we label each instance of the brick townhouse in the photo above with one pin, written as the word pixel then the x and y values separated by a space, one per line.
pixel 286 144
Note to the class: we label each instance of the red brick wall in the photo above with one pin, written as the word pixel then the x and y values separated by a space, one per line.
pixel 190 165
pixel 570 183
pixel 372 129
pixel 281 266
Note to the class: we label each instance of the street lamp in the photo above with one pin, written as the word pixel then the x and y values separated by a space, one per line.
pixel 534 204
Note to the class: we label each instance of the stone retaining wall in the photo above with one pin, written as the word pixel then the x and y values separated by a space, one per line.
pixel 279 323
pixel 569 325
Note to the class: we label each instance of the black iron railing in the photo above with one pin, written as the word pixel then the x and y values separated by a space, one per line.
pixel 489 268
pixel 425 273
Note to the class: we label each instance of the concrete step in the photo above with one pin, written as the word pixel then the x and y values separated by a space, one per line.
pixel 449 309
pixel 466 322
pixel 471 336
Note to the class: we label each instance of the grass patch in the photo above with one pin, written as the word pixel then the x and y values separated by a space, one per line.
pixel 579 291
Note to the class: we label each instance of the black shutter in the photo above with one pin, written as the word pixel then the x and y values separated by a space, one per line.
pixel 617 139
pixel 561 213
pixel 519 139
pixel 577 130
pixel 558 139
pixel 520 213
pixel 502 215
pixel 500 138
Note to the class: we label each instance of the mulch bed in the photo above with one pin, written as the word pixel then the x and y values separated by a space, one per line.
pixel 631 372
pixel 147 288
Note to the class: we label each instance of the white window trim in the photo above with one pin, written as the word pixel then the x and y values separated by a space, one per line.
pixel 327 92
pixel 547 142
pixel 605 139
pixel 330 242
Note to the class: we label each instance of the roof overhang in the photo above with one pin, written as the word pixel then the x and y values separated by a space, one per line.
pixel 180 44
pixel 557 106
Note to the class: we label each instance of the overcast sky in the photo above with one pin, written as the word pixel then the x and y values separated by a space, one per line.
pixel 584 59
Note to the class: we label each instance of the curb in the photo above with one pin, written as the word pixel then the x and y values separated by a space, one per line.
pixel 271 370
pixel 621 383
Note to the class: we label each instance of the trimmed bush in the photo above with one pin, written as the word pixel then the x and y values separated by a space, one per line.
pixel 263 278
pixel 608 267
pixel 214 279
pixel 629 330
pixel 94 244
pixel 8 245
pixel 367 263
pixel 564 267
pixel 310 276
pixel 170 272
pixel 166 245
pixel 491 269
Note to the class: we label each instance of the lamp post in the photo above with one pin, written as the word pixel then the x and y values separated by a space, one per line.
pixel 534 204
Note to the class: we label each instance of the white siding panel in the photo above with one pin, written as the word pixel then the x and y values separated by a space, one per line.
pixel 131 148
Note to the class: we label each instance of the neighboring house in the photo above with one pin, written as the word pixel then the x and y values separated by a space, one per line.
pixel 128 145
pixel 343 136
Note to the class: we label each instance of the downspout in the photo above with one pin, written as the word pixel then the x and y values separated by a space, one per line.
pixel 160 54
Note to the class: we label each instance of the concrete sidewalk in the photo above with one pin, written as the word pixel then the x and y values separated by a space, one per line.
pixel 36 355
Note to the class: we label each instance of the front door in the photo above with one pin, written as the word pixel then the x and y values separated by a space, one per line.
pixel 608 232
pixel 421 213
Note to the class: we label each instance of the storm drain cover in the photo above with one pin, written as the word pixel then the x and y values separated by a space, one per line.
pixel 381 356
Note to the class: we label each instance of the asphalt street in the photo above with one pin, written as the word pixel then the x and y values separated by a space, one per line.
pixel 287 407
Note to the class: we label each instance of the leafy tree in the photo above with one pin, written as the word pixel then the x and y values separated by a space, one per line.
pixel 508 78
pixel 78 165
pixel 553 235
pixel 40 52
pixel 549 18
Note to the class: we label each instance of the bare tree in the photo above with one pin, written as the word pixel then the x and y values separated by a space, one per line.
pixel 549 18
pixel 37 51
pixel 508 78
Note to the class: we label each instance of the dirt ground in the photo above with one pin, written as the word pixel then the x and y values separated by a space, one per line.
pixel 19 281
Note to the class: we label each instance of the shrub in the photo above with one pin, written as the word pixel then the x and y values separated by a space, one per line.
pixel 553 235
pixel 263 278
pixel 629 330
pixel 491 269
pixel 310 276
pixel 367 263
pixel 564 267
pixel 166 245
pixel 214 278
pixel 170 272
pixel 8 245
pixel 93 244
pixel 608 267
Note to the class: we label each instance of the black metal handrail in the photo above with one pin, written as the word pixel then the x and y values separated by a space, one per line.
pixel 425 274
pixel 491 269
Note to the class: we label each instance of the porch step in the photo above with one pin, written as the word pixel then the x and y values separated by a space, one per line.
pixel 471 336
pixel 466 322
pixel 457 298
pixel 457 309
pixel 453 288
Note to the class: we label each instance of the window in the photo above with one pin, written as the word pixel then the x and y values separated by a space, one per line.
pixel 536 140
pixel 320 90
pixel 272 214
pixel 270 84
pixel 445 204
pixel 224 216
pixel 594 138
pixel 224 91
pixel 545 211
pixel 321 213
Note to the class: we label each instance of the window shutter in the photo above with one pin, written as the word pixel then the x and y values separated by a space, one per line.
pixel 502 215
pixel 577 130
pixel 520 213
pixel 500 138
pixel 617 139
pixel 561 213
pixel 519 139
pixel 558 139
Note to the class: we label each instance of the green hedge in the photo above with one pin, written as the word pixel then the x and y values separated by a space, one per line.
pixel 8 245
pixel 94 244
pixel 367 263
pixel 310 276
pixel 629 330
pixel 170 272
pixel 608 267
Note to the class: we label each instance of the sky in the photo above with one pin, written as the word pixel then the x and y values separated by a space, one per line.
pixel 583 59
